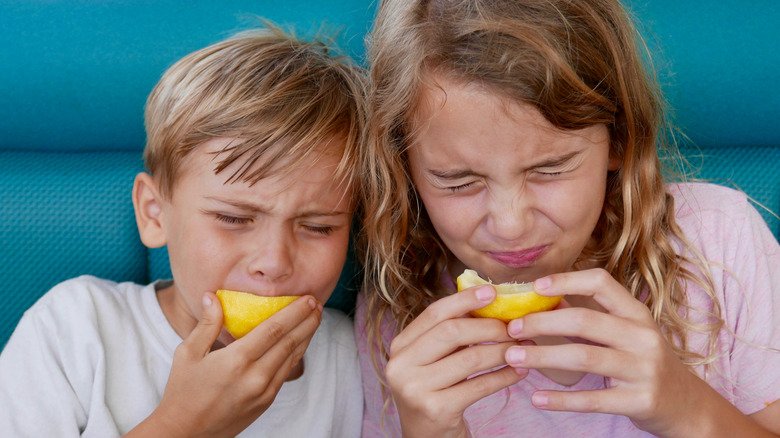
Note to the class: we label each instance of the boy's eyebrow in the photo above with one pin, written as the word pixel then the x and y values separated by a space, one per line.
pixel 255 208
pixel 466 173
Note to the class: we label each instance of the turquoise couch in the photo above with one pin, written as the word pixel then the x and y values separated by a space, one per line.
pixel 75 75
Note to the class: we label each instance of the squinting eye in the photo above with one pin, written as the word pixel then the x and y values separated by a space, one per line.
pixel 232 220
pixel 324 230
pixel 460 187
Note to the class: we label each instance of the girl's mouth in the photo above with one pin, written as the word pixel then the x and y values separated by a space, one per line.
pixel 519 259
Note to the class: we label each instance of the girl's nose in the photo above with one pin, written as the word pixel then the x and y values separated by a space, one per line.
pixel 510 216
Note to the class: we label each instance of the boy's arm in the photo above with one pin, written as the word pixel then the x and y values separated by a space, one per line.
pixel 220 393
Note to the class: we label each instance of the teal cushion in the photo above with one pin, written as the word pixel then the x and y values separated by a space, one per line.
pixel 74 216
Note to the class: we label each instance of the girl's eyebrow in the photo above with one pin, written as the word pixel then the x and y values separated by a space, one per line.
pixel 455 174
pixel 555 161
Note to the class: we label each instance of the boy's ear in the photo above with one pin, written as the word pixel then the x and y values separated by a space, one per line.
pixel 148 211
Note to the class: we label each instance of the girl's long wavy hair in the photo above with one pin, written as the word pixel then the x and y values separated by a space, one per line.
pixel 580 63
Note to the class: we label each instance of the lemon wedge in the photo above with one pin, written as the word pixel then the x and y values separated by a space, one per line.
pixel 244 311
pixel 513 300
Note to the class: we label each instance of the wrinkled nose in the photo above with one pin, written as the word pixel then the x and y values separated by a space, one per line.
pixel 271 258
pixel 510 215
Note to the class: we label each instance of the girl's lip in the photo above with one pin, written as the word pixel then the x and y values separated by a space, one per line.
pixel 519 259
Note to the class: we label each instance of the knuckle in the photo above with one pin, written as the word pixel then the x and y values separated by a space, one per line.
pixel 275 331
pixel 393 373
pixel 603 277
pixel 470 358
pixel 449 329
pixel 588 358
pixel 260 381
pixel 580 318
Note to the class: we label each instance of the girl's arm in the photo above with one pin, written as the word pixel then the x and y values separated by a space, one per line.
pixel 646 380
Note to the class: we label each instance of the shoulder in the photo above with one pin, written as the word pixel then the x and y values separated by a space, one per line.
pixel 692 198
pixel 708 210
pixel 84 290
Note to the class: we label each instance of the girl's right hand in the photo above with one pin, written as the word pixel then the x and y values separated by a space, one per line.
pixel 220 393
pixel 432 359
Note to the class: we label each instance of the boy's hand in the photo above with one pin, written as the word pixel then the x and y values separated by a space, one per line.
pixel 220 393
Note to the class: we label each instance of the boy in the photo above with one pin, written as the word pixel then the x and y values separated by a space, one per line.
pixel 252 148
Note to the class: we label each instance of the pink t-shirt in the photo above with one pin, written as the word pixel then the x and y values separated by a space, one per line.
pixel 746 272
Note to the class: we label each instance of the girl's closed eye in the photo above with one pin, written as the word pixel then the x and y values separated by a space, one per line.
pixel 460 187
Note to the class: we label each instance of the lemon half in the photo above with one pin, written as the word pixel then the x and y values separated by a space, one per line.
pixel 513 300
pixel 244 311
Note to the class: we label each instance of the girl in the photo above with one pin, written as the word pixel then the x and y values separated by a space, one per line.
pixel 520 139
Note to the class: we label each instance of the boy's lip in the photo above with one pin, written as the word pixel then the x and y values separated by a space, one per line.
pixel 519 259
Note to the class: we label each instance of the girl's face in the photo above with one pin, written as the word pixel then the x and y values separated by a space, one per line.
pixel 284 235
pixel 510 195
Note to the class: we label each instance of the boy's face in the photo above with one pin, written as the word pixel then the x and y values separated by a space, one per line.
pixel 287 234
pixel 509 195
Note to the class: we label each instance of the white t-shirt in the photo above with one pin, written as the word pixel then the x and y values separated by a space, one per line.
pixel 91 358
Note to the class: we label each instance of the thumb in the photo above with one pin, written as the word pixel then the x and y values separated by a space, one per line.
pixel 209 326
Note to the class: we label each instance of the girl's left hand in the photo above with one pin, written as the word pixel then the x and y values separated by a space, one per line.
pixel 646 381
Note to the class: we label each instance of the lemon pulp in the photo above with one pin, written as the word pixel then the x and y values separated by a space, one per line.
pixel 513 300
pixel 243 311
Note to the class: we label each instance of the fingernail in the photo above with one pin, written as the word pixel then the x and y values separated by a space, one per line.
pixel 515 327
pixel 485 293
pixel 542 283
pixel 206 301
pixel 312 304
pixel 515 356
pixel 521 371
pixel 540 399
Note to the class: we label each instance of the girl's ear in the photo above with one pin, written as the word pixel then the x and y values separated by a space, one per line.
pixel 148 211
pixel 614 163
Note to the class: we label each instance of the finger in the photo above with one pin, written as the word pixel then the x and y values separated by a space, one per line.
pixel 202 338
pixel 257 342
pixel 594 283
pixel 292 345
pixel 576 322
pixel 467 363
pixel 452 306
pixel 451 335
pixel 472 390
pixel 573 357
pixel 613 401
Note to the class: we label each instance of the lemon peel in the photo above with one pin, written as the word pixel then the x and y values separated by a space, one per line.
pixel 513 300
pixel 243 311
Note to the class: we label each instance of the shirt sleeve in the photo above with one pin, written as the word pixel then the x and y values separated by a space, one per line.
pixel 36 397
pixel 752 311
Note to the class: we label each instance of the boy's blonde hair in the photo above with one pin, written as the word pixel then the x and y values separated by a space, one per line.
pixel 279 97
pixel 579 63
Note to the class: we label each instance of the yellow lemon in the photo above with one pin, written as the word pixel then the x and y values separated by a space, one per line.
pixel 244 311
pixel 513 300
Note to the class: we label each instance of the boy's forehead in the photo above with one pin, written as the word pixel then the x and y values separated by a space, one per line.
pixel 210 156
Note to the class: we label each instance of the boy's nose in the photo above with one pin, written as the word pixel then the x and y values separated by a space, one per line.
pixel 271 258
